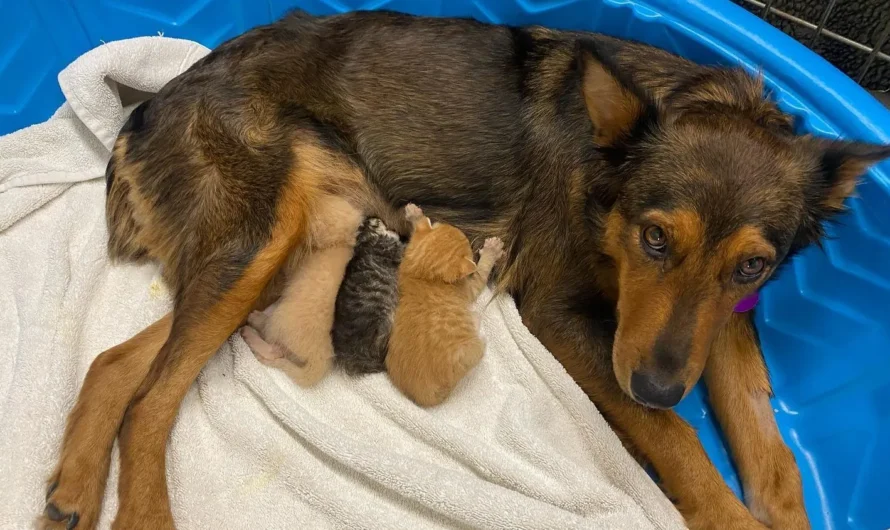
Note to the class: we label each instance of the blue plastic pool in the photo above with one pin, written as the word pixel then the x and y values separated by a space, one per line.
pixel 825 324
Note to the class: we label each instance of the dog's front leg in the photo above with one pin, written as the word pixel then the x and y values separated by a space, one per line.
pixel 739 390
pixel 660 437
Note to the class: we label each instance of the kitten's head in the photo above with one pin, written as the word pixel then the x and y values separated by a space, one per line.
pixel 438 252
pixel 374 229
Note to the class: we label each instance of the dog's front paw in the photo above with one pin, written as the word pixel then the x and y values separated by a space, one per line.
pixel 782 510
pixel 723 511
pixel 493 248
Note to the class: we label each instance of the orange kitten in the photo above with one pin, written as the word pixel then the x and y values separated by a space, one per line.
pixel 294 334
pixel 435 336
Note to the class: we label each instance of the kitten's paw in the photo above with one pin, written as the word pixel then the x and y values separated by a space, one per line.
pixel 262 350
pixel 493 248
pixel 257 320
pixel 413 213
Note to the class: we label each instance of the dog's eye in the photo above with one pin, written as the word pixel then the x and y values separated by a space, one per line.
pixel 751 268
pixel 655 240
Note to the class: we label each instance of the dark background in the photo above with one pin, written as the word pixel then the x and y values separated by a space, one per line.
pixel 860 20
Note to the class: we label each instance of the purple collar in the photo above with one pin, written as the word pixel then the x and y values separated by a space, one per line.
pixel 747 303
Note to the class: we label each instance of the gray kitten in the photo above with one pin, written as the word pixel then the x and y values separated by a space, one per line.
pixel 367 299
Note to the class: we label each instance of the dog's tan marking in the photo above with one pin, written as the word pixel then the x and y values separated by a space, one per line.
pixel 127 214
pixel 132 215
pixel 745 243
pixel 739 390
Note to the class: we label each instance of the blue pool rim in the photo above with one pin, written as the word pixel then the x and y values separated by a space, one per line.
pixel 827 102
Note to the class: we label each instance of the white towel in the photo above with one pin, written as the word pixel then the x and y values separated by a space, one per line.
pixel 517 445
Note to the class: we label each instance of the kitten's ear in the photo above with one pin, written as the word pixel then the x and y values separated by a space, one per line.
pixel 423 224
pixel 614 105
pixel 457 270
pixel 429 264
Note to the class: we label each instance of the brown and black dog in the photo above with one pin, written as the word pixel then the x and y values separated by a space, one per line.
pixel 640 197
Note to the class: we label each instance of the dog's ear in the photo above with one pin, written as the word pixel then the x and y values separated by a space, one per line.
pixel 839 166
pixel 614 105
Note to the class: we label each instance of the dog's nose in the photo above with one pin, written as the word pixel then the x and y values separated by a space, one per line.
pixel 654 392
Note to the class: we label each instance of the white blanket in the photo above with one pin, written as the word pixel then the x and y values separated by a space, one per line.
pixel 518 445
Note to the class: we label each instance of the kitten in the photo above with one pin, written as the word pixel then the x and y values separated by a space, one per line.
pixel 435 335
pixel 294 334
pixel 367 300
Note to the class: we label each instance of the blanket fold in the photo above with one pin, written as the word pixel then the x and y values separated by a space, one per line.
pixel 517 445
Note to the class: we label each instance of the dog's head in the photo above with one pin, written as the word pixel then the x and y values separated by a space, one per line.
pixel 709 191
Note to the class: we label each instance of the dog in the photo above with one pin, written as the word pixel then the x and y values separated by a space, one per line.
pixel 639 197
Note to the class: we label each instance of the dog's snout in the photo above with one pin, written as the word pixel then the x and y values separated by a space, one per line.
pixel 654 390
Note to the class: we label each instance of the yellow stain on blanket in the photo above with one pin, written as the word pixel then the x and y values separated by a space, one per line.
pixel 157 289
pixel 268 474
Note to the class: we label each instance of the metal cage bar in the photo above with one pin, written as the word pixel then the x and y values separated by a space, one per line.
pixel 874 53
pixel 822 21
pixel 885 33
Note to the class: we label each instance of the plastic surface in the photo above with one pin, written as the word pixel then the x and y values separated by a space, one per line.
pixel 823 324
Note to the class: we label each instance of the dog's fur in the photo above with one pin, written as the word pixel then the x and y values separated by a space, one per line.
pixel 567 145
pixel 435 333
pixel 294 333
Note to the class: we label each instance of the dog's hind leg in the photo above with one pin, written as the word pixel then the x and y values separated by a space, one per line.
pixel 739 390
pixel 76 487
pixel 207 312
